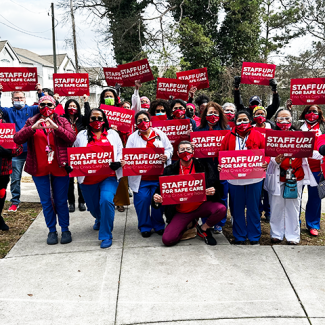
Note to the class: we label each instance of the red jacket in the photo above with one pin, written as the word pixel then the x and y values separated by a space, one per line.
pixel 64 138
pixel 255 141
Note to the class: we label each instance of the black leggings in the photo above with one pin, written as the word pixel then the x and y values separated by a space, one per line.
pixel 4 180
pixel 71 198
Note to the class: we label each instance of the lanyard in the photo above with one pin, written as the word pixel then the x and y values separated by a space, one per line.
pixel 242 142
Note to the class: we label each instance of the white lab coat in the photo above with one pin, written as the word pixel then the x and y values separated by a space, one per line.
pixel 115 141
pixel 135 141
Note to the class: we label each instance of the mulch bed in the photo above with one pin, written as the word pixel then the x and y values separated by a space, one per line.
pixel 18 223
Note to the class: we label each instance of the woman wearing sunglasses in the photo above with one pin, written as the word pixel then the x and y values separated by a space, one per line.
pixel 99 191
pixel 159 110
pixel 285 211
pixel 48 136
pixel 245 193
pixel 144 187
pixel 78 122
pixel 314 122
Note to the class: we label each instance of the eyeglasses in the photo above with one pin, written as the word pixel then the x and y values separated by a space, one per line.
pixel 160 110
pixel 49 105
pixel 288 119
pixel 96 118
pixel 144 120
pixel 229 112
pixel 19 98
pixel 178 107
pixel 313 111
pixel 190 150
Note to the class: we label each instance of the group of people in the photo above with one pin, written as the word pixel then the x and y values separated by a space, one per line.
pixel 43 135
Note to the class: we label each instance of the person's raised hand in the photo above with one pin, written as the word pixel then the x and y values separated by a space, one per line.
pixel 192 91
pixel 38 125
pixel 137 84
pixel 50 124
pixel 85 97
pixel 38 88
pixel 56 96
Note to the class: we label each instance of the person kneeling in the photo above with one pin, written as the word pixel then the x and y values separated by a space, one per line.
pixel 179 216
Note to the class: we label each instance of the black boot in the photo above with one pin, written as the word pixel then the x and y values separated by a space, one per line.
pixel 3 225
pixel 72 207
pixel 82 207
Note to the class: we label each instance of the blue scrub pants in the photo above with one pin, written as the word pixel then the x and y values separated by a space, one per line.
pixel 60 187
pixel 99 199
pixel 313 207
pixel 142 204
pixel 248 196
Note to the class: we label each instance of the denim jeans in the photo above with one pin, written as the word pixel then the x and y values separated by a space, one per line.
pixel 17 170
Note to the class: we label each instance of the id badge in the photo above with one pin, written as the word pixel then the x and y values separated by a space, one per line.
pixel 50 157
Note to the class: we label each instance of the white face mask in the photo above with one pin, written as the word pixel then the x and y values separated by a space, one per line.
pixel 19 104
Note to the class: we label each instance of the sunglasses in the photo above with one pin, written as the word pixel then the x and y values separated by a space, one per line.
pixel 160 111
pixel 49 105
pixel 96 118
pixel 313 111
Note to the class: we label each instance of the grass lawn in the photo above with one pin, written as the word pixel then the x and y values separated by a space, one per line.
pixel 18 223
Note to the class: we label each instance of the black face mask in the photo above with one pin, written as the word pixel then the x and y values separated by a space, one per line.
pixel 189 113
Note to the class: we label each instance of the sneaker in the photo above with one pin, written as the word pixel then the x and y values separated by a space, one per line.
pixel 160 232
pixel 13 208
pixel 292 243
pixel 72 207
pixel 106 243
pixel 82 207
pixel 255 242
pixel 206 235
pixel 146 234
pixel 313 232
pixel 96 225
pixel 3 225
pixel 275 240
pixel 217 229
pixel 52 238
pixel 66 237
pixel 239 242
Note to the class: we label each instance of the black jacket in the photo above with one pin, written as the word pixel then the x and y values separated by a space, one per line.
pixel 271 109
pixel 211 180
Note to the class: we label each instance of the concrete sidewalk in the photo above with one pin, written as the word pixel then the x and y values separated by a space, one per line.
pixel 139 281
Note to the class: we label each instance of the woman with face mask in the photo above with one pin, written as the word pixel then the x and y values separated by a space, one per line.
pixel 314 122
pixel 178 112
pixel 159 110
pixel 229 110
pixel 48 136
pixel 214 119
pixel 78 123
pixel 245 193
pixel 259 118
pixel 144 187
pixel 284 211
pixel 183 216
pixel 190 112
pixel 110 97
pixel 99 191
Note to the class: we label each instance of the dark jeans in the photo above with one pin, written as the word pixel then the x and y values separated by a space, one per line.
pixel 71 198
pixel 17 170
pixel 4 180
pixel 213 211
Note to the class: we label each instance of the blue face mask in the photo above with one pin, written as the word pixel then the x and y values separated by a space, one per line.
pixel 158 114
pixel 19 104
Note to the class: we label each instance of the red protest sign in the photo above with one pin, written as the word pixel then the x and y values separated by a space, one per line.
pixel 113 76
pixel 167 87
pixel 307 91
pixel 257 73
pixel 24 79
pixel 297 144
pixel 137 70
pixel 182 188
pixel 91 161
pixel 175 130
pixel 121 117
pixel 197 77
pixel 7 131
pixel 142 161
pixel 71 84
pixel 159 118
pixel 207 143
pixel 241 164
pixel 261 130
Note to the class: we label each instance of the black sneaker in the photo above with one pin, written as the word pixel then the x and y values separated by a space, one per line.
pixel 82 207
pixel 206 235
pixel 160 232
pixel 254 242
pixel 146 234
pixel 72 207
pixel 66 237
pixel 52 238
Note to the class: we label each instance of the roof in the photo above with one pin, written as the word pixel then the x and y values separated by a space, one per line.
pixel 28 57
pixel 94 72
pixel 59 58
pixel 2 45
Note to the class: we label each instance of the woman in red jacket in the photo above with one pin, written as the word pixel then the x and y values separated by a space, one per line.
pixel 245 192
pixel 48 136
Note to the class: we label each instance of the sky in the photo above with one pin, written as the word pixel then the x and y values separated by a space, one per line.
pixel 33 17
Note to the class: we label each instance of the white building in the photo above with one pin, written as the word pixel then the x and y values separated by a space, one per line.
pixel 16 57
